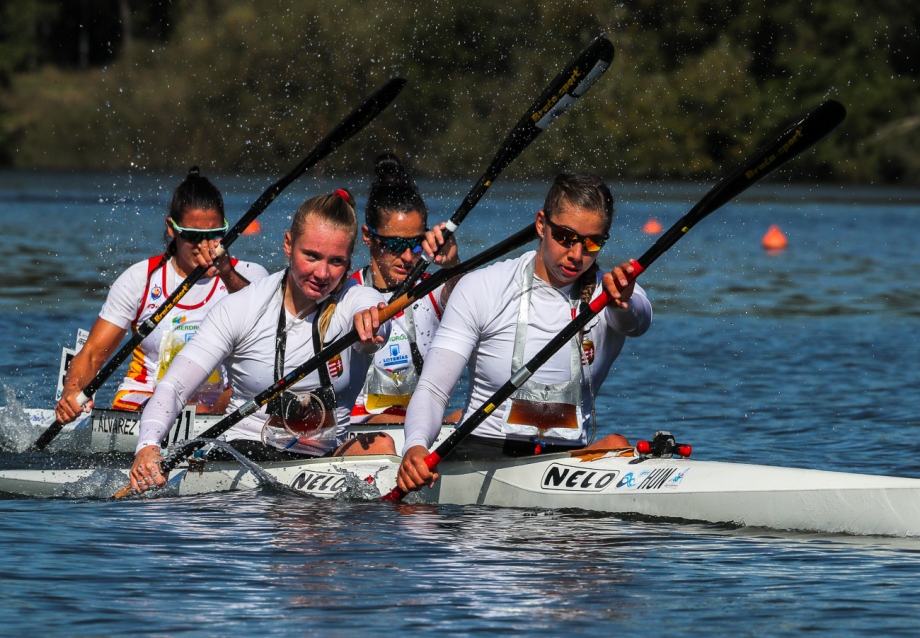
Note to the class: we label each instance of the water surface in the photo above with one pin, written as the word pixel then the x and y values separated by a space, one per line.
pixel 805 358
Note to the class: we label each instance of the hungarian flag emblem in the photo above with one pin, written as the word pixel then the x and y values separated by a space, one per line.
pixel 336 366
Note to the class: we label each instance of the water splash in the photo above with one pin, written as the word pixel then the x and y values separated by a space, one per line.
pixel 261 475
pixel 415 498
pixel 358 489
pixel 21 426
pixel 101 484
pixel 18 430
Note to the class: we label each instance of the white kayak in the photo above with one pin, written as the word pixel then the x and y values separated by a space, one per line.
pixel 669 488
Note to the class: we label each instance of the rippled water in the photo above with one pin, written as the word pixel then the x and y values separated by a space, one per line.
pixel 806 358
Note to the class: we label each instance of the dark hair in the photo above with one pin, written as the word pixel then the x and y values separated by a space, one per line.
pixel 587 191
pixel 193 192
pixel 582 190
pixel 392 192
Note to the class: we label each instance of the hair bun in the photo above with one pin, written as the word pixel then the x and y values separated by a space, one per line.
pixel 388 168
pixel 194 171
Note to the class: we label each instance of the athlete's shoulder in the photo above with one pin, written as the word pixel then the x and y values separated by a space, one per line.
pixel 501 274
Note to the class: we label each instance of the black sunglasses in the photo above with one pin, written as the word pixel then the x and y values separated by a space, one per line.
pixel 397 245
pixel 566 237
pixel 198 235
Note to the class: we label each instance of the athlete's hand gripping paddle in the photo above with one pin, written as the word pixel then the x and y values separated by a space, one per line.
pixel 356 120
pixel 800 136
pixel 396 306
pixel 573 82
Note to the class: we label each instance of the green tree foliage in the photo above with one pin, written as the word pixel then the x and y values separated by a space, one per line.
pixel 250 86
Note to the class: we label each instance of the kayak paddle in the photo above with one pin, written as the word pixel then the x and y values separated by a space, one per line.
pixel 807 131
pixel 573 82
pixel 356 120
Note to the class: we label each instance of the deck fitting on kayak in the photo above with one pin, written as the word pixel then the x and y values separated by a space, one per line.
pixel 662 446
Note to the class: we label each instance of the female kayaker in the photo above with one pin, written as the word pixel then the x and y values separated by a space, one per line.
pixel 396 223
pixel 194 225
pixel 265 331
pixel 502 315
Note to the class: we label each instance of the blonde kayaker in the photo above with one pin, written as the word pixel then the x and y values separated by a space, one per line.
pixel 265 331
pixel 194 225
pixel 500 316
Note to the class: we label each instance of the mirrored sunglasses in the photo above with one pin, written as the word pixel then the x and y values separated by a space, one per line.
pixel 397 245
pixel 198 235
pixel 566 237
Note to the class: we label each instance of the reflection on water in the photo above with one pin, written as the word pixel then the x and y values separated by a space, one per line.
pixel 271 562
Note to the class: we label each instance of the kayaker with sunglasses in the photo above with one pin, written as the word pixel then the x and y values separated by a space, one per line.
pixel 395 232
pixel 195 223
pixel 265 331
pixel 502 315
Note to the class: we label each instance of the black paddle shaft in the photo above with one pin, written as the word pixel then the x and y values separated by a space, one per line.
pixel 573 82
pixel 517 240
pixel 801 135
pixel 356 120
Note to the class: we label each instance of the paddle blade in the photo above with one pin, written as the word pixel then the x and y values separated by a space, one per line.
pixel 794 140
pixel 573 82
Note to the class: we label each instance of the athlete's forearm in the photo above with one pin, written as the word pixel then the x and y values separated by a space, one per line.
pixel 232 279
pixel 429 400
pixel 172 393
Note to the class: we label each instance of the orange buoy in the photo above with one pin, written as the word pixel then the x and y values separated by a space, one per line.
pixel 652 227
pixel 253 228
pixel 774 239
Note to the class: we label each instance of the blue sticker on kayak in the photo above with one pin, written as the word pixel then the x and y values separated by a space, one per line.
pixel 659 478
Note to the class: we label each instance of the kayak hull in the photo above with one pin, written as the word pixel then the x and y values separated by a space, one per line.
pixel 715 492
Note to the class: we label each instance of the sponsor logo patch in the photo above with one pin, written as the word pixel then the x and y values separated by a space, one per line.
pixel 156 292
pixel 319 482
pixel 396 358
pixel 560 477
pixel 179 324
pixel 659 478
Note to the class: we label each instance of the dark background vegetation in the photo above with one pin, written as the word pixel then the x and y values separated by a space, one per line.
pixel 251 85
